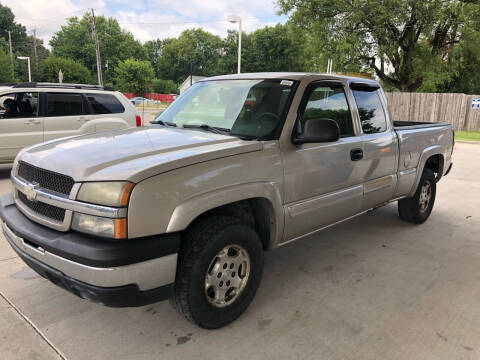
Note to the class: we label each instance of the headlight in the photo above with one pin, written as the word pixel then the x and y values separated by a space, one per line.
pixel 114 193
pixel 100 226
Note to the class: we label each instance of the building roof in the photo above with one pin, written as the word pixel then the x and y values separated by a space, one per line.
pixel 195 78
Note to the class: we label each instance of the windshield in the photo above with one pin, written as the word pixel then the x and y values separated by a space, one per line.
pixel 244 108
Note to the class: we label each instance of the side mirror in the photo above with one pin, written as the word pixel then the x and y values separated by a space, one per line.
pixel 317 131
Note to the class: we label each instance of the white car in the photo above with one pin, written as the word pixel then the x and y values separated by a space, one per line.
pixel 31 113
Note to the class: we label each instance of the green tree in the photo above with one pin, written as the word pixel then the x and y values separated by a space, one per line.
pixel 408 36
pixel 22 44
pixel 5 67
pixel 75 41
pixel 73 72
pixel 463 64
pixel 154 52
pixel 194 49
pixel 272 48
pixel 7 23
pixel 228 61
pixel 134 76
pixel 27 48
pixel 161 86
pixel 275 49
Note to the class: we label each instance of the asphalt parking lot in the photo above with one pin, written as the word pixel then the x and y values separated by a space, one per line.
pixel 371 288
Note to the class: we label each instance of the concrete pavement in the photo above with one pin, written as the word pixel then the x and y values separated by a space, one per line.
pixel 371 288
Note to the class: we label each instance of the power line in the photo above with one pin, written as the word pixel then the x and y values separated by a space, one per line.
pixel 193 22
pixel 64 16
pixel 160 23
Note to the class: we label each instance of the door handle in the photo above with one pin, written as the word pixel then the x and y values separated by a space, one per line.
pixel 33 122
pixel 356 154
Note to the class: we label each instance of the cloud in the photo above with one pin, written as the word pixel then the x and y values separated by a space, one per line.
pixel 147 19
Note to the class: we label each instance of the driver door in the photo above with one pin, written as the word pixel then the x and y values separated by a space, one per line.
pixel 323 181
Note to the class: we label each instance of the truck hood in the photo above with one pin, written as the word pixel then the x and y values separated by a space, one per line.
pixel 133 154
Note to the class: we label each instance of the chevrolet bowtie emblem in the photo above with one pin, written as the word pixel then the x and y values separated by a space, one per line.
pixel 30 192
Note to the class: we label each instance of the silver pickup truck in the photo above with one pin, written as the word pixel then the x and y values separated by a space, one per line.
pixel 237 165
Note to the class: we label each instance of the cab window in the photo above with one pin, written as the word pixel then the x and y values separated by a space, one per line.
pixel 329 102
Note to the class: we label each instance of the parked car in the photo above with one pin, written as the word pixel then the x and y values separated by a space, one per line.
pixel 43 111
pixel 139 100
pixel 238 165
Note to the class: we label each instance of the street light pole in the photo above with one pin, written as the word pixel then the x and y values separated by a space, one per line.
pixel 28 63
pixel 237 19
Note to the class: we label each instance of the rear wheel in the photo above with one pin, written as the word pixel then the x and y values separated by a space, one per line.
pixel 418 208
pixel 219 271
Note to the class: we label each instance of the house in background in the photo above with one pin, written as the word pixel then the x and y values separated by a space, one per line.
pixel 187 83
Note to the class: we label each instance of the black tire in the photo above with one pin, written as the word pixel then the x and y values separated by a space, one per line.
pixel 200 246
pixel 410 209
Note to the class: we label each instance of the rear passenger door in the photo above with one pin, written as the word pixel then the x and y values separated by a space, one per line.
pixel 380 145
pixel 66 114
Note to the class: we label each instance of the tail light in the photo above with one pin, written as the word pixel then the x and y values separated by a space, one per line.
pixel 138 120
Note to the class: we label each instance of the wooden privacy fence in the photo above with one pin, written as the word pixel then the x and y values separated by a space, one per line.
pixel 429 107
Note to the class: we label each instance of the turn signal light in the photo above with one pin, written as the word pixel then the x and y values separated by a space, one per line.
pixel 120 228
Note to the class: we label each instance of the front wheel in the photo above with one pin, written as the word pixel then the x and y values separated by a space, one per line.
pixel 418 208
pixel 219 271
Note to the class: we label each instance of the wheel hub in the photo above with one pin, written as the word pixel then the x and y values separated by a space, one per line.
pixel 227 275
pixel 425 196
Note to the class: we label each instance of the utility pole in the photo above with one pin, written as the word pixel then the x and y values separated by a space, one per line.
pixel 97 49
pixel 11 53
pixel 191 77
pixel 35 47
pixel 28 66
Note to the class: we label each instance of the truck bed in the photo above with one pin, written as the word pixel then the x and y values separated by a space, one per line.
pixel 404 125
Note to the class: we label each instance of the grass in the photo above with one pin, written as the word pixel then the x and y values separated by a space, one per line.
pixel 467 135
pixel 160 106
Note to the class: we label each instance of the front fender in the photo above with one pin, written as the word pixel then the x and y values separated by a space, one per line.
pixel 170 201
pixel 186 212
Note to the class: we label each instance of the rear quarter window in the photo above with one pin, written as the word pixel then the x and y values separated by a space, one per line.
pixel 371 111
pixel 105 104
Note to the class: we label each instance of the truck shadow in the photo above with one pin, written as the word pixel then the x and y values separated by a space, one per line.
pixel 347 255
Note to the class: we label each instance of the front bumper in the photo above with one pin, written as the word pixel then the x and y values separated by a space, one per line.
pixel 124 273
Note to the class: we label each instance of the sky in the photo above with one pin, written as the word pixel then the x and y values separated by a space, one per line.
pixel 147 19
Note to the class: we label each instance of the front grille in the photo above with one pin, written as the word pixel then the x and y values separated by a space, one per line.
pixel 46 210
pixel 47 179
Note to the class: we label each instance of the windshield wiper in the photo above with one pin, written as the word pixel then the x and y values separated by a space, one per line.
pixel 164 123
pixel 213 129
